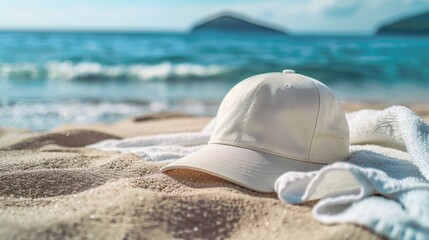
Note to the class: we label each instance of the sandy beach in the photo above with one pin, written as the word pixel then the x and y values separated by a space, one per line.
pixel 53 187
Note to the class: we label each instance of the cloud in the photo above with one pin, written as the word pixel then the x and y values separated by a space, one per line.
pixel 338 7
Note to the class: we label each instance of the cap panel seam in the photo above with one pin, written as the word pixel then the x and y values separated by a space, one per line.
pixel 316 123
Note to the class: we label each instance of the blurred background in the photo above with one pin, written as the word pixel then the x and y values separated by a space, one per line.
pixel 104 60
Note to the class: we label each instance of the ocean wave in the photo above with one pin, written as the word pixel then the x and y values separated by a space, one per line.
pixel 67 70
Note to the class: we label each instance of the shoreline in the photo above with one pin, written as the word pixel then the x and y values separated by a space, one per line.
pixel 420 108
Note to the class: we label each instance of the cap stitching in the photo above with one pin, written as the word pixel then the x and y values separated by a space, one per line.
pixel 315 124
pixel 240 133
pixel 264 150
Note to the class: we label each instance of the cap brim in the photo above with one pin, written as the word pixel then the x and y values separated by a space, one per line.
pixel 251 169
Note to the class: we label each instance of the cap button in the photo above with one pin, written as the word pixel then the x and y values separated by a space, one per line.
pixel 286 71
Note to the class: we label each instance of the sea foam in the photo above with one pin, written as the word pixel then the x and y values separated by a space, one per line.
pixel 66 70
pixel 45 114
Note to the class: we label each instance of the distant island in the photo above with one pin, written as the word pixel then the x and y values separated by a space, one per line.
pixel 415 25
pixel 234 23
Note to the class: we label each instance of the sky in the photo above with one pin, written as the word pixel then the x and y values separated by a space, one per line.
pixel 296 16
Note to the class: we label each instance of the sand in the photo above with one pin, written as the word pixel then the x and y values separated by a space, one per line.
pixel 52 187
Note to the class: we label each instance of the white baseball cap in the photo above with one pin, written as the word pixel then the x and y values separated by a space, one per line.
pixel 270 124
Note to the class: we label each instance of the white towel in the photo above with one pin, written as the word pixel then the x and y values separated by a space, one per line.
pixel 384 184
pixel 162 147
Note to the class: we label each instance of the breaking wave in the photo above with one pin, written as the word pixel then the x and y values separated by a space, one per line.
pixel 67 70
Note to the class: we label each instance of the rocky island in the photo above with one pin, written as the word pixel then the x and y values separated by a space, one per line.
pixel 234 23
pixel 414 25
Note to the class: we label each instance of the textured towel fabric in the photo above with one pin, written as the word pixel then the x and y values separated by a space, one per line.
pixel 384 185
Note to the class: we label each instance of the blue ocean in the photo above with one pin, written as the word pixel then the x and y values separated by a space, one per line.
pixel 52 78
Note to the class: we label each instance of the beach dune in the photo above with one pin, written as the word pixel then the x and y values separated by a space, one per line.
pixel 52 187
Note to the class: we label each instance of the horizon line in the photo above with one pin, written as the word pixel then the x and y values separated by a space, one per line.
pixel 175 31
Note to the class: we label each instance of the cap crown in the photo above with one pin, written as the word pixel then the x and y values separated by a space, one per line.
pixel 284 114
